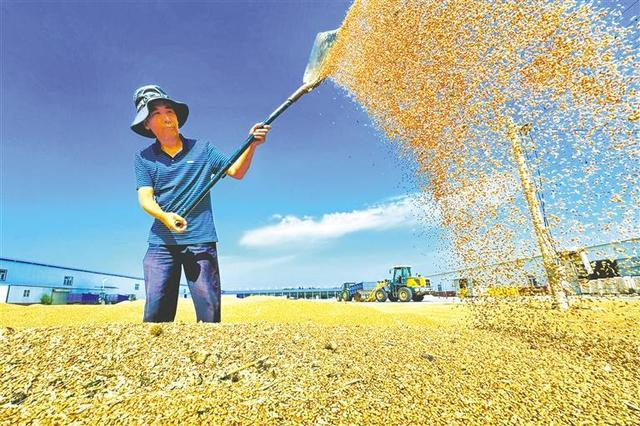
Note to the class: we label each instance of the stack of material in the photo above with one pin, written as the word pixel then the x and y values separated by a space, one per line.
pixel 305 362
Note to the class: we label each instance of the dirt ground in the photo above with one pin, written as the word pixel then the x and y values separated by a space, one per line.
pixel 278 361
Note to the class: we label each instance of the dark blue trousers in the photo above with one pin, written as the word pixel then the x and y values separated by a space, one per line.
pixel 163 266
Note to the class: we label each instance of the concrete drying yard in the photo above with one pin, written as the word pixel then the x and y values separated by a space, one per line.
pixel 278 361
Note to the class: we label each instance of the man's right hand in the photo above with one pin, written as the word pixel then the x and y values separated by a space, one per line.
pixel 174 222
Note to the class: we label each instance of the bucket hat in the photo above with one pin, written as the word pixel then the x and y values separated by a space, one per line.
pixel 143 97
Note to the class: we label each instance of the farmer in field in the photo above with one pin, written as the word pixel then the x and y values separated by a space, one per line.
pixel 171 172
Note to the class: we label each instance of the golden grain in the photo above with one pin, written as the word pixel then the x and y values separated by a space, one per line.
pixel 276 361
pixel 444 80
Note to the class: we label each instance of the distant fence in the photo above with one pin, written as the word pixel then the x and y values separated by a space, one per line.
pixel 302 293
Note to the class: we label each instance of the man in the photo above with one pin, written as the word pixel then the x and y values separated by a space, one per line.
pixel 170 173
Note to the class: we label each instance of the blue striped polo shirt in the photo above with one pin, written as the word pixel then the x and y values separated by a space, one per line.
pixel 177 181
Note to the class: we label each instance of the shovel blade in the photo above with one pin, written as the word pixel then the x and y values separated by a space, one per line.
pixel 319 52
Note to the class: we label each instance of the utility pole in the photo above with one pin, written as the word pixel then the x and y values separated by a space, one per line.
pixel 550 257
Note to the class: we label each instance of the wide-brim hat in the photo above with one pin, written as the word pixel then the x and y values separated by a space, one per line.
pixel 143 97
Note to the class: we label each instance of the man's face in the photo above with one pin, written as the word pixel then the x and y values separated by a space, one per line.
pixel 162 120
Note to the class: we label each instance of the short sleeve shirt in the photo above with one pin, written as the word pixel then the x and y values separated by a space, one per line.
pixel 176 182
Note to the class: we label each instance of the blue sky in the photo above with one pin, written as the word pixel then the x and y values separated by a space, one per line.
pixel 326 188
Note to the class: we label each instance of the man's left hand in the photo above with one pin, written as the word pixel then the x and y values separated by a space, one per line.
pixel 259 132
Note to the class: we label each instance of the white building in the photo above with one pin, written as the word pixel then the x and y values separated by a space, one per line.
pixel 25 282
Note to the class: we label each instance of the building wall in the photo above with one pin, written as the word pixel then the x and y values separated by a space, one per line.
pixel 42 279
pixel 17 294
pixel 4 289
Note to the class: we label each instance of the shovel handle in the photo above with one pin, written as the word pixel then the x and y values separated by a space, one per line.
pixel 305 88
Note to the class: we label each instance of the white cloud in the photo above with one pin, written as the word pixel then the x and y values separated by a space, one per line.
pixel 396 212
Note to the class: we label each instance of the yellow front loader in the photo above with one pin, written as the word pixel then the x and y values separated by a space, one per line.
pixel 402 286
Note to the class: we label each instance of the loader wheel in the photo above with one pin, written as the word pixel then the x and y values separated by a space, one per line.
pixel 405 294
pixel 345 296
pixel 381 295
pixel 418 298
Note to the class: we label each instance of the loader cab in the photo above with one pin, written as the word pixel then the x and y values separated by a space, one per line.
pixel 399 274
pixel 347 286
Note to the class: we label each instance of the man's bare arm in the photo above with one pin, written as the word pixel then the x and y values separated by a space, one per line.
pixel 172 221
pixel 240 167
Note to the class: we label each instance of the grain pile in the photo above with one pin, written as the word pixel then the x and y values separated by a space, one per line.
pixel 447 79
pixel 305 362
